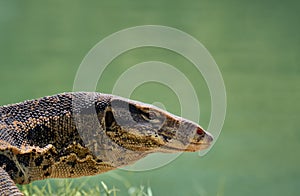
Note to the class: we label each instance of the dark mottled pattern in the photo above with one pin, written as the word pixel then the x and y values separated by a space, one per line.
pixel 31 121
pixel 8 164
pixel 38 137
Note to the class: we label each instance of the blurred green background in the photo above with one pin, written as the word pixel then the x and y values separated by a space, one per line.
pixel 255 43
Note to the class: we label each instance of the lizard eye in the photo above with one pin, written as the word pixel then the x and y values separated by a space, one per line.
pixel 152 115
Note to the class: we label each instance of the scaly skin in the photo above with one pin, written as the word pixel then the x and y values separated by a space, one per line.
pixel 81 134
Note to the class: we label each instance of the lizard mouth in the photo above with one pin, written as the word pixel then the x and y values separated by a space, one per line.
pixel 193 146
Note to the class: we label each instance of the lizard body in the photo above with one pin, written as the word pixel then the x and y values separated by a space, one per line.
pixel 80 134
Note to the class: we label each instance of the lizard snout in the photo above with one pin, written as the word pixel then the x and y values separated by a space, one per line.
pixel 201 140
pixel 207 137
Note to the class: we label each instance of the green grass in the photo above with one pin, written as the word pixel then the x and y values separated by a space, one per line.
pixel 66 187
pixel 255 43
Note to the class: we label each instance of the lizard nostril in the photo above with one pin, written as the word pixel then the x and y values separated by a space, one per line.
pixel 200 131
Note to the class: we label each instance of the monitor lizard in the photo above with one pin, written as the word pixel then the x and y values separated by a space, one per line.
pixel 85 133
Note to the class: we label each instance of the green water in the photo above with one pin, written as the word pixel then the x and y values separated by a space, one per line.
pixel 255 43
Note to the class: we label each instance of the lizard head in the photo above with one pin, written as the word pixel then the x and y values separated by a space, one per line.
pixel 146 128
